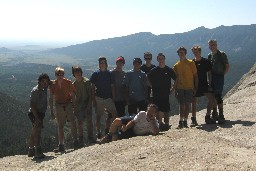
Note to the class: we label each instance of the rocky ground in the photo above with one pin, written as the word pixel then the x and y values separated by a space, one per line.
pixel 231 146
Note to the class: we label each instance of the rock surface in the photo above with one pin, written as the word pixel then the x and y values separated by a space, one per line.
pixel 231 146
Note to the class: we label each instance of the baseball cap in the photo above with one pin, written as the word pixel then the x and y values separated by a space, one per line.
pixel 137 60
pixel 120 58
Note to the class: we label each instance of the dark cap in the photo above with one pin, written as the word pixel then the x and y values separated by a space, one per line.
pixel 137 60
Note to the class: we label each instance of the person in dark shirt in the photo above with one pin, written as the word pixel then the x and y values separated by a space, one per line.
pixel 220 67
pixel 102 90
pixel 203 67
pixel 160 80
pixel 146 67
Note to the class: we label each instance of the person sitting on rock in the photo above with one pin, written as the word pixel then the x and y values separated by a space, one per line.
pixel 143 123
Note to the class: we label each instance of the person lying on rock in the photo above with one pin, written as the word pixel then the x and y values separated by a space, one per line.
pixel 144 123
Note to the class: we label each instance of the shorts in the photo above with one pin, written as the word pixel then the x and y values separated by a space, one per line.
pixel 184 96
pixel 162 103
pixel 64 112
pixel 129 132
pixel 108 104
pixel 120 108
pixel 32 119
pixel 217 83
pixel 202 89
pixel 135 105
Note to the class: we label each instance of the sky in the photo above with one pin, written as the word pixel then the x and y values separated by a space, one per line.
pixel 87 20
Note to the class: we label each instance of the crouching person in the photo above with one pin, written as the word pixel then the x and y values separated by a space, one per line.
pixel 143 123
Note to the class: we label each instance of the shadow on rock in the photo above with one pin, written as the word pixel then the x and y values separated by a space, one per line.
pixel 46 158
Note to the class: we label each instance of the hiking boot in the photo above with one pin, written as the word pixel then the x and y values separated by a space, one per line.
pixel 39 153
pixel 81 142
pixel 167 127
pixel 215 116
pixel 221 119
pixel 161 127
pixel 76 145
pixel 181 125
pixel 193 122
pixel 31 152
pixel 106 139
pixel 91 140
pixel 209 120
pixel 60 149
pixel 185 124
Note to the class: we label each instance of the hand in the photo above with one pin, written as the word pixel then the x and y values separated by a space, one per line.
pixel 123 128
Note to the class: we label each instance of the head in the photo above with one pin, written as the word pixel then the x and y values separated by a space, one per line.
pixel 213 45
pixel 103 64
pixel 182 51
pixel 147 56
pixel 161 58
pixel 196 50
pixel 77 71
pixel 120 61
pixel 59 72
pixel 43 80
pixel 152 111
pixel 137 63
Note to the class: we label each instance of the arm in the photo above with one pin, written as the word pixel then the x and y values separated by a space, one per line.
pixel 128 125
pixel 227 69
pixel 51 105
pixel 93 95
pixel 155 129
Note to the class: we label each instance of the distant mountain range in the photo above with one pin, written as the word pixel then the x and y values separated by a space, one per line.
pixel 237 41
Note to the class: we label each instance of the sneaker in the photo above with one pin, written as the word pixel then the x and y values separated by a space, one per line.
pixel 31 152
pixel 209 120
pixel 181 125
pixel 60 149
pixel 193 122
pixel 106 139
pixel 76 145
pixel 215 116
pixel 185 124
pixel 221 119
pixel 161 127
pixel 39 153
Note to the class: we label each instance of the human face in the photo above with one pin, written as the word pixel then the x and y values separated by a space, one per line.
pixel 78 75
pixel 161 60
pixel 196 52
pixel 44 83
pixel 151 112
pixel 182 53
pixel 136 66
pixel 103 65
pixel 213 46
pixel 119 64
pixel 59 75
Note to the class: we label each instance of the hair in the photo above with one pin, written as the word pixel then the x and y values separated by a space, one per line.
pixel 137 60
pixel 182 48
pixel 43 76
pixel 212 41
pixel 76 69
pixel 103 58
pixel 161 54
pixel 154 106
pixel 196 47
pixel 147 54
pixel 59 70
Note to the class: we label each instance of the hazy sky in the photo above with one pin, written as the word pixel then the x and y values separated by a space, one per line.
pixel 86 20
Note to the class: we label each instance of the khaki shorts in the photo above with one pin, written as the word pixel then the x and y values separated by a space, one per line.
pixel 184 96
pixel 64 112
pixel 107 104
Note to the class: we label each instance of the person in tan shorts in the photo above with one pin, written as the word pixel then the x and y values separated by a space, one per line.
pixel 62 91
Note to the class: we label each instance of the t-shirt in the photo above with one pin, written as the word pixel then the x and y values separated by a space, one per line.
pixel 63 93
pixel 136 81
pixel 118 77
pixel 203 66
pixel 39 99
pixel 218 61
pixel 142 125
pixel 146 69
pixel 102 81
pixel 185 71
pixel 83 93
pixel 161 80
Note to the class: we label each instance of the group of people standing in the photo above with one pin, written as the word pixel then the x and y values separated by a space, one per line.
pixel 145 90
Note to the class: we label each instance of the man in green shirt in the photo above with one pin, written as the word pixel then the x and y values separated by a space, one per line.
pixel 83 104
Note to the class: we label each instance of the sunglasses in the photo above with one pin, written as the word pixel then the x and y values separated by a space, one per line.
pixel 60 74
pixel 102 62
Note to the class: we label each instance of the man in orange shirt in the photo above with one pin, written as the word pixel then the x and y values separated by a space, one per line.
pixel 62 91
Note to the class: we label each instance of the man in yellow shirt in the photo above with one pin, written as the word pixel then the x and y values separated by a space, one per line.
pixel 185 85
